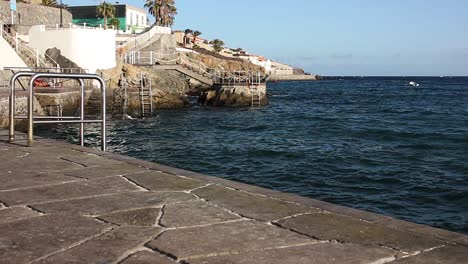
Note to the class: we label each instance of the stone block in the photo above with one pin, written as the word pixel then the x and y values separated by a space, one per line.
pixel 225 238
pixel 30 239
pixel 13 214
pixel 104 171
pixel 14 180
pixel 147 257
pixel 68 191
pixel 113 203
pixel 194 213
pixel 445 255
pixel 321 253
pixel 136 217
pixel 107 248
pixel 159 181
pixel 331 226
pixel 250 205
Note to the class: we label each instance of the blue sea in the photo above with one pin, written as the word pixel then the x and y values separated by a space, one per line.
pixel 376 144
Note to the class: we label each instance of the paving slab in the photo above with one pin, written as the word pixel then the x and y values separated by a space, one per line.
pixel 29 239
pixel 425 230
pixel 158 181
pixel 68 191
pixel 321 253
pixel 194 213
pixel 90 160
pixel 104 171
pixel 330 226
pixel 112 203
pixel 46 163
pixel 250 205
pixel 10 180
pixel 136 217
pixel 147 257
pixel 234 237
pixel 81 205
pixel 12 214
pixel 107 248
pixel 445 255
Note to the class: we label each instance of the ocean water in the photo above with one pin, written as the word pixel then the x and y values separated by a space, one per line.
pixel 376 144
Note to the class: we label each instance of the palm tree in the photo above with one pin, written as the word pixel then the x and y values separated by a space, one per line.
pixel 51 3
pixel 115 22
pixel 106 10
pixel 163 10
pixel 217 45
pixel 195 35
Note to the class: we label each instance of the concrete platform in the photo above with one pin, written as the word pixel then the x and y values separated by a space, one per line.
pixel 61 203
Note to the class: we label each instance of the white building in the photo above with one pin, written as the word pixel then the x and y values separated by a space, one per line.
pixel 281 69
pixel 258 60
pixel 131 19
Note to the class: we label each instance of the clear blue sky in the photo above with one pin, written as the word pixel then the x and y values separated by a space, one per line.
pixel 338 37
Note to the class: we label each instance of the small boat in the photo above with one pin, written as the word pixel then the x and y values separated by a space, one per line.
pixel 414 84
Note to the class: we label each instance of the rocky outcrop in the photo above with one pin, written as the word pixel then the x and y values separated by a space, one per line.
pixel 63 61
pixel 233 96
pixel 169 89
pixel 224 63
pixel 21 109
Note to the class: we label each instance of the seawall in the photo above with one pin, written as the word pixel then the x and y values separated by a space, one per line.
pixel 301 77
pixel 65 203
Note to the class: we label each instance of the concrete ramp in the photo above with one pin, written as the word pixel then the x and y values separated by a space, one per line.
pixel 192 74
pixel 9 57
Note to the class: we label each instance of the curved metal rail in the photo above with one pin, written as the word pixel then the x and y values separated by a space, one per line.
pixel 55 119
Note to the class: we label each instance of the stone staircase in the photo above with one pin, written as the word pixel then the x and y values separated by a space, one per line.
pixel 93 105
pixel 28 55
pixel 201 77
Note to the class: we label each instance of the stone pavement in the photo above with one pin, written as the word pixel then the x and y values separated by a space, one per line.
pixel 61 203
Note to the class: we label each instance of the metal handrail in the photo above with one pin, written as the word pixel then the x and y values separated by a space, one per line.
pixel 57 119
pixel 46 69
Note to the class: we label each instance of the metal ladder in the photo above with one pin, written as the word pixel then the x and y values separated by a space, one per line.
pixel 256 98
pixel 120 99
pixel 146 96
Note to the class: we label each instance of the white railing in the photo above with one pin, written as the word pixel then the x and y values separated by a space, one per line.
pixel 232 78
pixel 143 38
pixel 149 58
pixel 218 75
pixel 20 47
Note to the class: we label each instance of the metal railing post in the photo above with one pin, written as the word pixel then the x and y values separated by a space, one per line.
pixel 12 108
pixel 82 111
pixel 37 58
pixel 30 112
pixel 80 78
pixel 103 114
pixel 16 42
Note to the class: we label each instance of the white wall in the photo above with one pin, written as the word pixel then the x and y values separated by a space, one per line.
pixel 136 18
pixel 91 49
pixel 281 69
pixel 8 57
pixel 140 39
